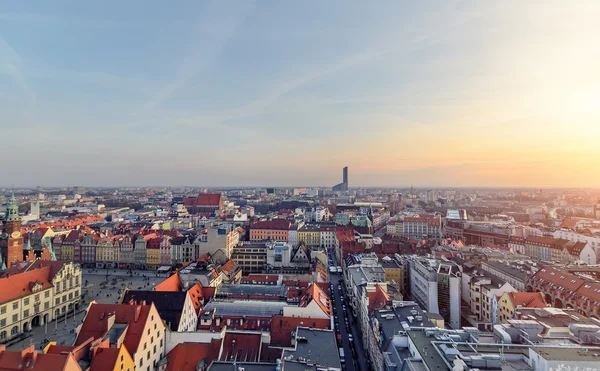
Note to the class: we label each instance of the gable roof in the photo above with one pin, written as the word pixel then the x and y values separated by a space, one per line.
pixel 95 324
pixel 316 294
pixel 378 298
pixel 171 284
pixel 104 359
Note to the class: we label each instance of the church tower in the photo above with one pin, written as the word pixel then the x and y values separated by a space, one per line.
pixel 13 250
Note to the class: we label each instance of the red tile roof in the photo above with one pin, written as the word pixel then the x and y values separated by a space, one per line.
pixel 185 356
pixel 229 267
pixel 30 359
pixel 568 281
pixel 527 299
pixel 241 347
pixel 21 284
pixel 204 199
pixel 275 224
pixel 377 299
pixel 569 223
pixel 105 359
pixel 95 324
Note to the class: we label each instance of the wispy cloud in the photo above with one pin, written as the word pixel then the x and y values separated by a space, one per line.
pixel 10 63
pixel 203 49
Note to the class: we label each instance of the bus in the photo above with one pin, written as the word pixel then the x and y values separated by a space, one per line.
pixel 342 359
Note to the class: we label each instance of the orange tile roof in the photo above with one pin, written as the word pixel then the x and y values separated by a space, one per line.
pixel 378 298
pixel 172 283
pixel 314 293
pixel 185 356
pixel 12 360
pixel 527 299
pixel 21 284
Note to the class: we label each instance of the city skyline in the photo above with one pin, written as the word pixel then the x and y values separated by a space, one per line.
pixel 215 94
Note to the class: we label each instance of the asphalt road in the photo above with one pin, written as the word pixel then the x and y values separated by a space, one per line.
pixel 63 330
pixel 355 360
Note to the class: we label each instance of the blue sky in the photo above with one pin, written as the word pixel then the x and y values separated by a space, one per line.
pixel 285 93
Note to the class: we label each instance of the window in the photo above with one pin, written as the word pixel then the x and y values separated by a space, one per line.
pixel 37 297
pixel 46 305
pixel 2 322
pixel 141 361
pixel 15 317
pixel 26 301
pixel 148 355
pixel 26 313
pixel 152 340
pixel 47 294
pixel 148 331
pixel 15 305
pixel 154 349
pixel 3 310
pixel 145 346
pixel 161 343
pixel 57 301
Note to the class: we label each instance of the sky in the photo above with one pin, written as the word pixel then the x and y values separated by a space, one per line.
pixel 281 93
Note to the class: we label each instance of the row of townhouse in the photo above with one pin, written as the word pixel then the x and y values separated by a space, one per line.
pixel 312 234
pixel 554 249
pixel 149 251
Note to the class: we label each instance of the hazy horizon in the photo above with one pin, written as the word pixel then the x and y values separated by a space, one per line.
pixel 429 94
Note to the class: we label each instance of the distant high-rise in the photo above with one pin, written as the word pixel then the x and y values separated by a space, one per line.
pixel 344 185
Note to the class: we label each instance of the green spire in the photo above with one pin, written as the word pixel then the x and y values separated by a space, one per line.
pixel 12 209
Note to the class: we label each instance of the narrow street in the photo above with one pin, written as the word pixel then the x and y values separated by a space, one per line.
pixel 353 350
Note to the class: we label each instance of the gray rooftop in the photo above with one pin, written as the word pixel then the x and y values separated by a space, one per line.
pixel 250 289
pixel 313 346
pixel 391 321
pixel 511 271
pixel 359 274
pixel 251 308
pixel 427 350
pixel 230 366
pixel 569 354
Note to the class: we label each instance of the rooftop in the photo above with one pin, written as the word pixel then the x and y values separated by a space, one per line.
pixel 507 269
pixel 251 308
pixel 569 354
pixel 251 289
pixel 168 304
pixel 314 346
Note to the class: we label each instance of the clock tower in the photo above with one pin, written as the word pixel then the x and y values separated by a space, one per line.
pixel 11 241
